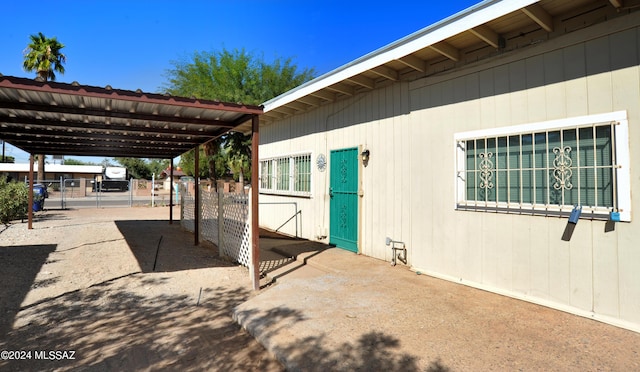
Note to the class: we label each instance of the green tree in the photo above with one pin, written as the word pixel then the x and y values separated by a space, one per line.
pixel 8 159
pixel 217 162
pixel 238 154
pixel 136 167
pixel 231 76
pixel 234 76
pixel 43 56
pixel 157 166
pixel 13 200
pixel 71 161
pixel 143 168
pixel 106 162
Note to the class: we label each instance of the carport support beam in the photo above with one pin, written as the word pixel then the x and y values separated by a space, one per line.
pixel 255 220
pixel 170 191
pixel 30 193
pixel 196 227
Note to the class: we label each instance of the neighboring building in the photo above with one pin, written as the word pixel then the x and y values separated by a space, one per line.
pixel 481 132
pixel 165 177
pixel 177 174
pixel 53 171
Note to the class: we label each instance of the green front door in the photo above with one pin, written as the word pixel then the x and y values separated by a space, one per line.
pixel 343 192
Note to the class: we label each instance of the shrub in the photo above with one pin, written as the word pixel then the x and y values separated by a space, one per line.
pixel 14 200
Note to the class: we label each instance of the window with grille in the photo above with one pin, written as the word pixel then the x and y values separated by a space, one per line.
pixel 547 168
pixel 266 172
pixel 286 175
pixel 282 174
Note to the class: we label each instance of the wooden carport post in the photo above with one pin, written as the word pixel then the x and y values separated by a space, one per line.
pixel 170 191
pixel 30 206
pixel 196 190
pixel 255 220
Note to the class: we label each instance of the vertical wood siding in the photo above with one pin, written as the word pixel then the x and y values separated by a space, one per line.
pixel 517 254
pixel 408 185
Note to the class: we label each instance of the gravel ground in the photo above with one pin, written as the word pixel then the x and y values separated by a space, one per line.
pixel 120 289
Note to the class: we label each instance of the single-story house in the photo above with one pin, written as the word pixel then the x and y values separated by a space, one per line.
pixel 177 173
pixel 499 146
pixel 165 177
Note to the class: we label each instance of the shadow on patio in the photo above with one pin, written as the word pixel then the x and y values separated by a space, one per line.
pixel 19 266
pixel 162 247
pixel 114 326
pixel 278 251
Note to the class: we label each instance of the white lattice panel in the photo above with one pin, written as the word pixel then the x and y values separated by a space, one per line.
pixel 209 221
pixel 237 228
pixel 187 214
pixel 236 225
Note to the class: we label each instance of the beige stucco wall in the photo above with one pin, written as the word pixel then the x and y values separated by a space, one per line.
pixel 408 190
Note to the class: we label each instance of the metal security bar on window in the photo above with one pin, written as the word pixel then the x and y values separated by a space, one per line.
pixel 286 175
pixel 282 174
pixel 302 173
pixel 546 169
pixel 266 174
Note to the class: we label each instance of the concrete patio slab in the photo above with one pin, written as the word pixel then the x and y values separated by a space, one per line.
pixel 357 313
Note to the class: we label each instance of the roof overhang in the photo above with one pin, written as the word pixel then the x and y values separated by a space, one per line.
pixel 71 119
pixel 488 29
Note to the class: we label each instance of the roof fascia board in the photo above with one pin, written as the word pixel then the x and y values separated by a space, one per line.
pixel 469 18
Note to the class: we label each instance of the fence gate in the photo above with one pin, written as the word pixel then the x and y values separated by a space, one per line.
pixel 84 193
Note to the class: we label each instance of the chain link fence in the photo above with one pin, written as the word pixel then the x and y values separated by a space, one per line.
pixel 86 193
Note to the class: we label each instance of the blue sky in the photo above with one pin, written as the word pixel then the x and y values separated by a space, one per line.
pixel 129 44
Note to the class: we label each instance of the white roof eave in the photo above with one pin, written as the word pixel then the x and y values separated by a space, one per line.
pixel 469 18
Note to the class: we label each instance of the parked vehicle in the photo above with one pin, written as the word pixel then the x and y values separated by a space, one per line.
pixel 112 179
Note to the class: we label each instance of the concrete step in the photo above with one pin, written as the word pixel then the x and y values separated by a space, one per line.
pixel 296 261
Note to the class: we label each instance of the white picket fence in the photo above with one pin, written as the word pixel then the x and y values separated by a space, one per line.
pixel 225 220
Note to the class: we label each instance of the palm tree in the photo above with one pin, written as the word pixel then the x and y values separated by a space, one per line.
pixel 239 152
pixel 43 56
pixel 212 149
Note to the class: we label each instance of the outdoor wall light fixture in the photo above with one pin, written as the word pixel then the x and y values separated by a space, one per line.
pixel 365 156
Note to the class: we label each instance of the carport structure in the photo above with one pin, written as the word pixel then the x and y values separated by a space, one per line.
pixel 71 119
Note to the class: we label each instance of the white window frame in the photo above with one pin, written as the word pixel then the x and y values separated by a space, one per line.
pixel 291 184
pixel 621 170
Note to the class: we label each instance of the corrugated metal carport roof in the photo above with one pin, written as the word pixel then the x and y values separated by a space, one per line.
pixel 71 119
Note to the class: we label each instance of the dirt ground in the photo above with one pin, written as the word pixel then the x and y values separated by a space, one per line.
pixel 82 291
pixel 123 290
